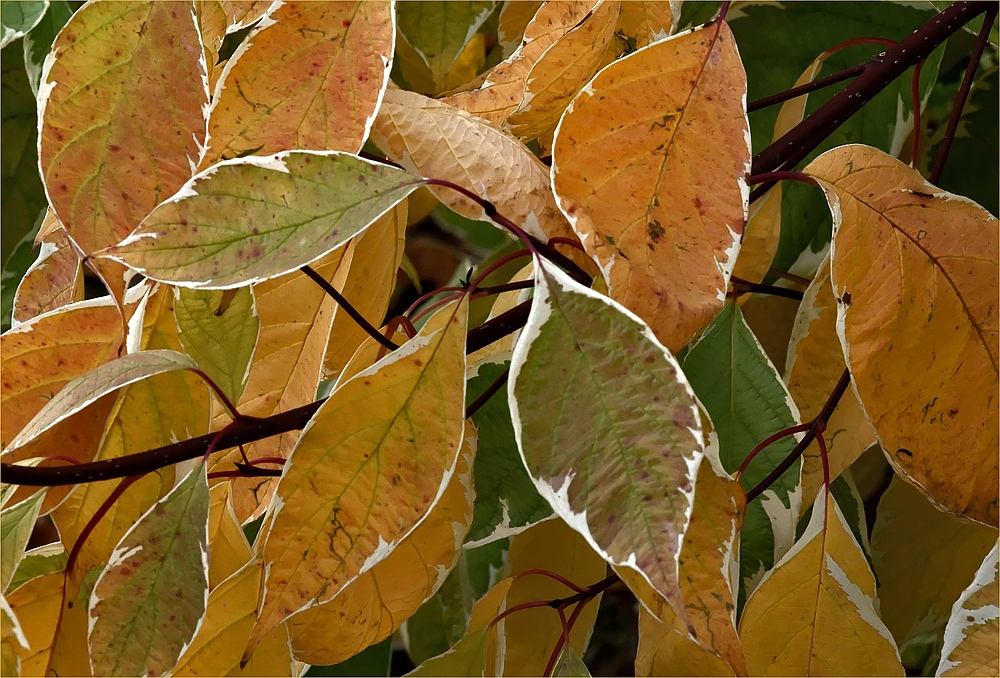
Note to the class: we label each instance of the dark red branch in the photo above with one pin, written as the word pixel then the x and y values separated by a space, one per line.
pixel 350 310
pixel 819 83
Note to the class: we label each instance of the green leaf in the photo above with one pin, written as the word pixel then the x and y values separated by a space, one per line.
pixel 254 218
pixel 17 264
pixel 506 499
pixel 38 562
pixel 219 330
pixel 570 664
pixel 38 41
pixel 16 524
pixel 616 457
pixel 748 402
pixel 100 381
pixel 467 658
pixel 150 599
pixel 18 18
pixel 372 661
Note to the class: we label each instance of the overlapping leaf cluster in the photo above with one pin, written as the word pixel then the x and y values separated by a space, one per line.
pixel 208 162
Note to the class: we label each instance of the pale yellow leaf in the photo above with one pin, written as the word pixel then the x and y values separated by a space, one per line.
pixel 228 547
pixel 37 603
pixel 970 640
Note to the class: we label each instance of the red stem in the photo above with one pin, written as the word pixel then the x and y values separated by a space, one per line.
pixel 551 575
pixel 915 93
pixel 768 441
pixel 223 398
pixel 96 518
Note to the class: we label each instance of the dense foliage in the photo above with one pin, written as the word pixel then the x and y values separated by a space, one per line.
pixel 339 332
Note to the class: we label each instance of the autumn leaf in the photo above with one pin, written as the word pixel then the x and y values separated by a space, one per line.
pixel 37 602
pixel 648 22
pixel 12 641
pixel 310 75
pixel 150 600
pixel 137 69
pixel 433 139
pixel 644 443
pixel 250 219
pixel 649 165
pixel 914 270
pixel 813 368
pixel 338 509
pixel 228 547
pixel 16 524
pixel 53 281
pixel 814 613
pixel 970 637
pixel 373 606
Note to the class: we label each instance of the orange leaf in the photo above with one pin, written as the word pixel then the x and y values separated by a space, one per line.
pixel 649 164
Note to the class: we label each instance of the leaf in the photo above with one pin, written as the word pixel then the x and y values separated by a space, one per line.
pixel 433 139
pixel 506 499
pixel 394 464
pixel 286 87
pixel 39 39
pixel 915 273
pixel 812 370
pixel 16 525
pixel 98 382
pixel 970 638
pixel 12 641
pixel 570 664
pixel 666 649
pixel 466 658
pixel 20 17
pixel 295 317
pixel 228 546
pixel 438 33
pixel 747 402
pixel 501 91
pixel 38 562
pixel 151 598
pixel 615 464
pixel 42 355
pixel 628 171
pixel 373 606
pixel 250 219
pixel 219 331
pixel 105 171
pixel 923 558
pixel 53 281
pixel 561 71
pixel 530 636
pixel 814 613
pixel 37 602
pixel 648 22
pixel 511 23
pixel 374 258
pixel 243 13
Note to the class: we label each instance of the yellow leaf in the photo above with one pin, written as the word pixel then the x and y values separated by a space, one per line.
pixel 970 640
pixel 242 13
pixel 436 140
pixel 375 604
pixel 561 71
pixel 503 88
pixel 649 165
pixel 915 273
pixel 137 70
pixel 36 603
pixel 529 636
pixel 666 649
pixel 309 76
pixel 814 613
pixel 646 22
pixel 499 351
pixel 923 558
pixel 374 258
pixel 295 317
pixel 367 469
pixel 514 18
pixel 813 368
pixel 212 23
pixel 228 547
pixel 53 281
pixel 12 642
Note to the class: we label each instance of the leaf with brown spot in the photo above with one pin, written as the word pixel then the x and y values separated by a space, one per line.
pixel 915 273
pixel 649 165
pixel 647 22
pixel 53 281
pixel 310 75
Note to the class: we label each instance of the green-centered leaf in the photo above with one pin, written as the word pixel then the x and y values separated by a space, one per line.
pixel 466 658
pixel 37 603
pixel 617 458
pixel 150 600
pixel 649 164
pixel 23 194
pixel 136 68
pixel 747 402
pixel 250 219
pixel 100 381
pixel 218 329
pixel 17 18
pixel 814 614
pixel 438 33
pixel 310 75
pixel 915 273
pixel 38 41
pixel 16 524
pixel 366 471
pixel 39 562
pixel 970 639
pixel 506 499
pixel 12 641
